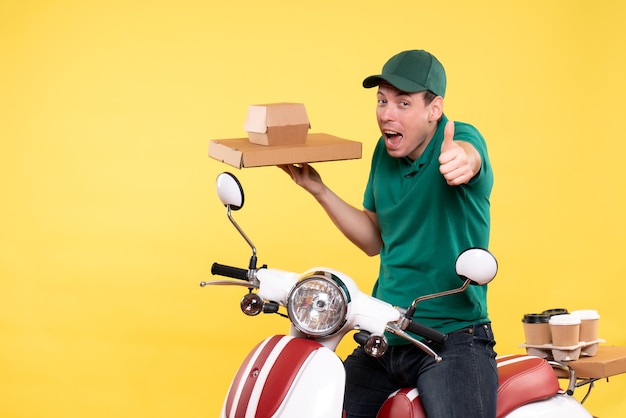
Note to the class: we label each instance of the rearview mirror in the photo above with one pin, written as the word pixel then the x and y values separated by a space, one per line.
pixel 229 190
pixel 477 265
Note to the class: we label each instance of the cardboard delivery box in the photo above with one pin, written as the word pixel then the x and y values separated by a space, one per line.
pixel 608 361
pixel 277 124
pixel 240 153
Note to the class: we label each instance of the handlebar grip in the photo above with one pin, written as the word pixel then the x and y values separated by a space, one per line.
pixel 426 332
pixel 228 271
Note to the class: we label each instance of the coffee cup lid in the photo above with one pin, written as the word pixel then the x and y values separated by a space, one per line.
pixel 565 319
pixel 555 311
pixel 586 314
pixel 535 318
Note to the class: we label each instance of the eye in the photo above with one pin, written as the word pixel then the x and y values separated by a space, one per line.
pixel 404 103
pixel 382 102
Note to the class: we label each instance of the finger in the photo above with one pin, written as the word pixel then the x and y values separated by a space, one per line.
pixel 448 136
pixel 286 168
pixel 291 170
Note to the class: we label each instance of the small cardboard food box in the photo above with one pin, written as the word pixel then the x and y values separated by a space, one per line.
pixel 277 124
pixel 608 361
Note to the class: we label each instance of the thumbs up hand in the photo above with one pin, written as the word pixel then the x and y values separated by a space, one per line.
pixel 457 161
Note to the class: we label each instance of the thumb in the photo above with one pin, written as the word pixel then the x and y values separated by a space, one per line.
pixel 448 135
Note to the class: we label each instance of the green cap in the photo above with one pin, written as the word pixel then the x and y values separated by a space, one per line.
pixel 412 71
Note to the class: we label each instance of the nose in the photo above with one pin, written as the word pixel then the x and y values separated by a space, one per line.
pixel 386 113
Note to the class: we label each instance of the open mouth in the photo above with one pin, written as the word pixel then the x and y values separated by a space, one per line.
pixel 392 138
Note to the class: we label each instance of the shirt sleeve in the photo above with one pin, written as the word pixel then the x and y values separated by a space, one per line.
pixel 369 202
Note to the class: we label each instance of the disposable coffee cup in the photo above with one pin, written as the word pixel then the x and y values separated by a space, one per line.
pixel 536 329
pixel 565 330
pixel 589 321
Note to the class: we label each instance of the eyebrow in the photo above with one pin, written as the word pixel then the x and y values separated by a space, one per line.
pixel 396 92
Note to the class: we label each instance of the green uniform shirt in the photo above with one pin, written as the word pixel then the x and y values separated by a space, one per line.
pixel 425 224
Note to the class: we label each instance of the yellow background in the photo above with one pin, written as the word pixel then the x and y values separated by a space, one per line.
pixel 109 218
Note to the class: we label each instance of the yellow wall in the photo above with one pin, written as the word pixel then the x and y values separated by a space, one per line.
pixel 109 218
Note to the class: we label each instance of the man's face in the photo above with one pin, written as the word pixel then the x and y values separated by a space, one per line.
pixel 405 121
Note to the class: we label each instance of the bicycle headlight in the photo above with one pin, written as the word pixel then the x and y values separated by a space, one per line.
pixel 318 304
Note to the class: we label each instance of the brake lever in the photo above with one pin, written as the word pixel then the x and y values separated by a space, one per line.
pixel 247 285
pixel 395 329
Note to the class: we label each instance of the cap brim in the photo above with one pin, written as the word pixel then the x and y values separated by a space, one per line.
pixel 400 83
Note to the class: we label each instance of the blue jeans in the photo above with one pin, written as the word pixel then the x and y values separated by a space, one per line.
pixel 463 384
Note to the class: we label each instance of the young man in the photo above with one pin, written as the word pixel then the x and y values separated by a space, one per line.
pixel 426 200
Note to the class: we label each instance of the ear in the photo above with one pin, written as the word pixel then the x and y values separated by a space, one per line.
pixel 436 109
